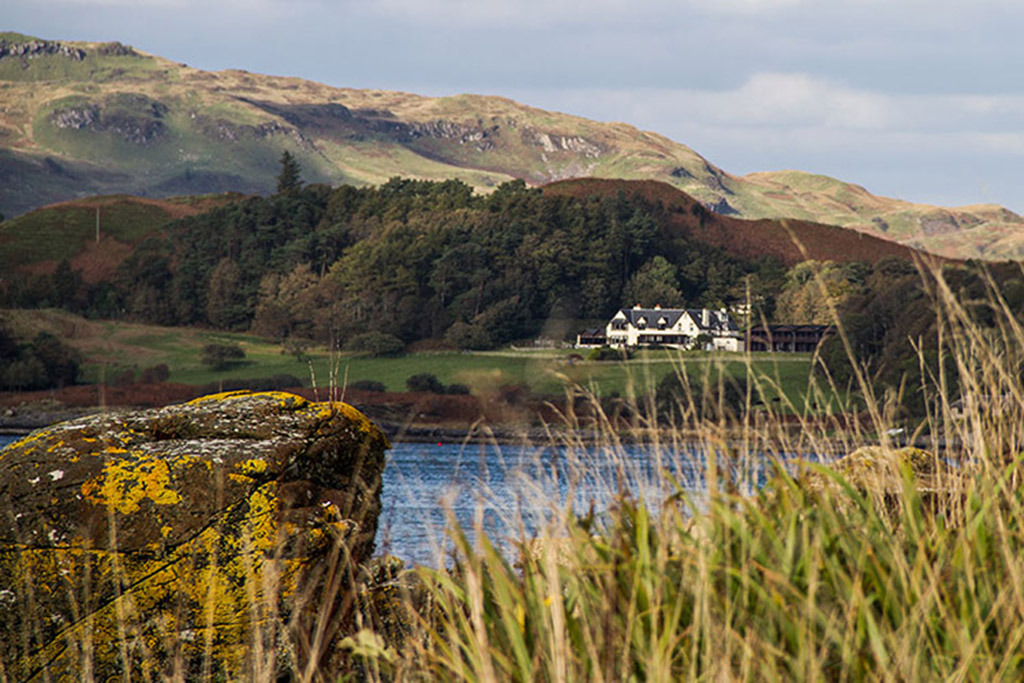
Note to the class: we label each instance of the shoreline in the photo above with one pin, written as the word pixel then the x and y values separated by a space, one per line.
pixel 506 434
pixel 392 413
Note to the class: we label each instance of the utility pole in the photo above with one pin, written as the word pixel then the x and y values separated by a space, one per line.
pixel 97 225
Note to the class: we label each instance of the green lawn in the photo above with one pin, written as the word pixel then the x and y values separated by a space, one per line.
pixel 545 373
pixel 110 348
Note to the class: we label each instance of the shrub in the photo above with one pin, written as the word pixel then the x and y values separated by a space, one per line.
pixel 367 385
pixel 425 382
pixel 466 336
pixel 457 390
pixel 295 347
pixel 122 378
pixel 222 356
pixel 609 353
pixel 155 375
pixel 375 344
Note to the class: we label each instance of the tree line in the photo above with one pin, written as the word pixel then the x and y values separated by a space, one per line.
pixel 376 269
pixel 408 261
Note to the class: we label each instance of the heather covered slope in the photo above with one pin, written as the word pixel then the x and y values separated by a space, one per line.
pixel 977 231
pixel 788 240
pixel 79 119
pixel 95 235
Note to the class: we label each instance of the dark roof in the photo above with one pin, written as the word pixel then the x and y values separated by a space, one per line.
pixel 652 315
pixel 716 323
pixel 672 315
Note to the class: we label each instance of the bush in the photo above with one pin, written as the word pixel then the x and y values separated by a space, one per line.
pixel 375 344
pixel 26 372
pixel 295 347
pixel 367 385
pixel 41 364
pixel 466 336
pixel 222 356
pixel 155 375
pixel 457 390
pixel 609 353
pixel 425 382
pixel 122 378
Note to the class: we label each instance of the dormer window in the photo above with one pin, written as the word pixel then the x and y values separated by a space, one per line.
pixel 662 322
pixel 641 322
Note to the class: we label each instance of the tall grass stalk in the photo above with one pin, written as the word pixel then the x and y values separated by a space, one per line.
pixel 910 572
pixel 729 557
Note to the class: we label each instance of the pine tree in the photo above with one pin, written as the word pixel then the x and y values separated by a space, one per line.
pixel 66 283
pixel 290 178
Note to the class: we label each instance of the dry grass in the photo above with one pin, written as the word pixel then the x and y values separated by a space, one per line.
pixel 819 574
pixel 815 575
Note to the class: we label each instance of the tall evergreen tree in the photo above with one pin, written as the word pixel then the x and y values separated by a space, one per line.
pixel 290 178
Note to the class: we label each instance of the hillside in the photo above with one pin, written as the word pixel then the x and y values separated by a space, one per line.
pixel 79 119
pixel 95 234
pixel 788 240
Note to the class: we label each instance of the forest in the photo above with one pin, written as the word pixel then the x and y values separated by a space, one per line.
pixel 418 265
pixel 413 260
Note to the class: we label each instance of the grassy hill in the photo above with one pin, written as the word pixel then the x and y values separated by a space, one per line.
pixel 79 119
pixel 94 234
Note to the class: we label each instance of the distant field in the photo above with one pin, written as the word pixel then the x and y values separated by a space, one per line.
pixel 110 348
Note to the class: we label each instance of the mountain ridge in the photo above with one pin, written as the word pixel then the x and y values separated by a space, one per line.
pixel 84 118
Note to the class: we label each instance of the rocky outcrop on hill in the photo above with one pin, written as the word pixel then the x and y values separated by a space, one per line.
pixel 39 48
pixel 190 541
pixel 551 142
pixel 134 118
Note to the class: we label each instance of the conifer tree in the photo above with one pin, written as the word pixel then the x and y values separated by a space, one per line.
pixel 290 178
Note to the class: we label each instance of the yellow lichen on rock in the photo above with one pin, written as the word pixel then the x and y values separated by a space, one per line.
pixel 124 484
pixel 190 533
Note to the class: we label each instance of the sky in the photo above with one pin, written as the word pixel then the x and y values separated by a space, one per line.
pixel 917 99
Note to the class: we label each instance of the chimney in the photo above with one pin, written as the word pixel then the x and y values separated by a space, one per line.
pixel 636 307
pixel 705 318
pixel 657 307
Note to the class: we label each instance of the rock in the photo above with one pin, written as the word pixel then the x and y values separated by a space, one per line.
pixel 187 541
pixel 39 48
pixel 874 468
pixel 877 472
pixel 939 222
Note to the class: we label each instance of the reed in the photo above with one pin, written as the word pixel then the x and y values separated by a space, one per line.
pixel 779 568
pixel 819 574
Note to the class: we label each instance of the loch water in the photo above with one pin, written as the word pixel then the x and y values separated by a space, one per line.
pixel 512 491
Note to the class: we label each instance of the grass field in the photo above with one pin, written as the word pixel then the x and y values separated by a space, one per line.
pixel 110 348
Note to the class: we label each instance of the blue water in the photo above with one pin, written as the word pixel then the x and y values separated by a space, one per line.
pixel 513 491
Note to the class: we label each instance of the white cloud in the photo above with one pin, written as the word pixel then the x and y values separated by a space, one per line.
pixel 795 101
pixel 941 148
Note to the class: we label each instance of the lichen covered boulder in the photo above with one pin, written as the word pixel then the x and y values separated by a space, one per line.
pixel 184 541
pixel 881 470
pixel 885 476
